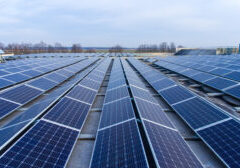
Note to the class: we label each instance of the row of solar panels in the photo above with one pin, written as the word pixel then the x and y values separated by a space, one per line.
pixel 168 147
pixel 17 96
pixel 119 143
pixel 228 86
pixel 214 126
pixel 26 72
pixel 50 141
pixel 14 127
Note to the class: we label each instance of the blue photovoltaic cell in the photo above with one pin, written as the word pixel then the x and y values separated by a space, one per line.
pixel 21 94
pixel 90 83
pixel 18 77
pixel 116 83
pixel 69 112
pixel 119 146
pixel 56 77
pixel 5 83
pixel 45 145
pixel 143 94
pixel 175 94
pixel 32 73
pixel 152 112
pixel 234 91
pixel 162 84
pixel 233 75
pixel 224 138
pixel 206 68
pixel 190 72
pixel 155 77
pixel 6 107
pixel 82 94
pixel 201 77
pixel 220 83
pixel 116 94
pixel 43 83
pixel 169 148
pixel 116 112
pixel 197 112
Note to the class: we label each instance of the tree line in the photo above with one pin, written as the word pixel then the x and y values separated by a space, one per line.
pixel 42 47
pixel 162 47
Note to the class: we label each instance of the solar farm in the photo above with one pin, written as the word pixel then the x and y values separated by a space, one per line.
pixel 117 110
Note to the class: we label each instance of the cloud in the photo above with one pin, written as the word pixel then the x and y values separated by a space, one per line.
pixel 94 22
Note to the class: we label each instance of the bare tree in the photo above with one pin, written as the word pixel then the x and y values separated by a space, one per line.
pixel 116 49
pixel 76 48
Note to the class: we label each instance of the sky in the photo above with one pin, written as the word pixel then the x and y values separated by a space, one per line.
pixel 104 23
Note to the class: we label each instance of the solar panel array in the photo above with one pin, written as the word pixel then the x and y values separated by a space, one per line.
pixel 14 127
pixel 118 142
pixel 206 119
pixel 19 71
pixel 50 142
pixel 169 148
pixel 221 73
pixel 17 96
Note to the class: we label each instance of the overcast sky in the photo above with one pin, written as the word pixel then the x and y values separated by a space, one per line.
pixel 192 23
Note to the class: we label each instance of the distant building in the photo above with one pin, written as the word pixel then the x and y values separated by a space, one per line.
pixel 1 55
pixel 195 51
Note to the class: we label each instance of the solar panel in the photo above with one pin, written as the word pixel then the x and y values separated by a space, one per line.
pixel 143 94
pixel 169 148
pixel 30 113
pixel 233 75
pixel 31 73
pixel 43 83
pixel 176 94
pixel 119 146
pixel 8 132
pixel 116 112
pixel 43 69
pixel 69 112
pixel 6 107
pixel 234 91
pixel 17 77
pixel 5 83
pixel 21 94
pixel 90 83
pixel 220 71
pixel 201 77
pixel 162 84
pixel 13 70
pixel 116 83
pixel 56 77
pixel 136 83
pixel 116 94
pixel 95 77
pixel 197 112
pixel 82 94
pixel 65 72
pixel 3 73
pixel 220 83
pixel 224 138
pixel 45 145
pixel 152 112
